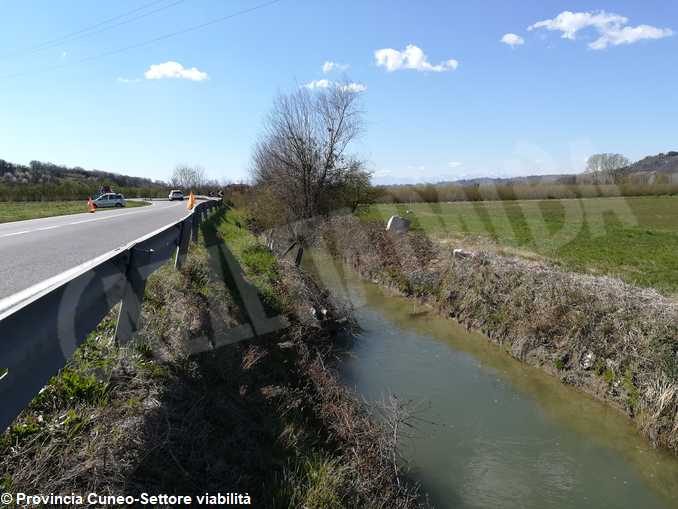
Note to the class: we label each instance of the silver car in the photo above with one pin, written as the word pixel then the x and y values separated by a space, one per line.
pixel 110 200
pixel 176 195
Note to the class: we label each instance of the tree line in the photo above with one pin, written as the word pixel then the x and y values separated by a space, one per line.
pixel 434 193
pixel 41 181
pixel 604 176
pixel 303 166
pixel 38 172
pixel 194 178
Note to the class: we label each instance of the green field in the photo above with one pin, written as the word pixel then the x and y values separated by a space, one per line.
pixel 635 239
pixel 18 211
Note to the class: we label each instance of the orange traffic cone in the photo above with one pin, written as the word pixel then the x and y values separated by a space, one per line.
pixel 191 201
pixel 90 204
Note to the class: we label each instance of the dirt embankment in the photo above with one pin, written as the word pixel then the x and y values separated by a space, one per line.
pixel 614 341
pixel 264 416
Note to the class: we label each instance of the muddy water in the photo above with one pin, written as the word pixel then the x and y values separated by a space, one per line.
pixel 490 431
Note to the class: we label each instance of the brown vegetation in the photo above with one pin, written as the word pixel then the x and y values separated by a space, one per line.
pixel 302 164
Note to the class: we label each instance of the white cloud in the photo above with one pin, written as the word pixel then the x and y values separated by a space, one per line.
pixel 330 66
pixel 313 85
pixel 512 40
pixel 569 23
pixel 412 57
pixel 128 80
pixel 347 87
pixel 612 28
pixel 629 35
pixel 354 87
pixel 454 164
pixel 174 70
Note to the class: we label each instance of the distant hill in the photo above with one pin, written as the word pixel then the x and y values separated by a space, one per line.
pixel 48 181
pixel 48 173
pixel 652 175
pixel 530 179
pixel 660 168
pixel 661 164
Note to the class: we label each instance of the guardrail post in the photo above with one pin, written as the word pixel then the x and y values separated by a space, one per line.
pixel 300 254
pixel 184 239
pixel 196 223
pixel 133 296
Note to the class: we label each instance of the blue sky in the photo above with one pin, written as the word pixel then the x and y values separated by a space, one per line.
pixel 600 79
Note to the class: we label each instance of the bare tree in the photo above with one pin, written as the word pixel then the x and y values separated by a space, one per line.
pixel 302 157
pixel 188 177
pixel 604 164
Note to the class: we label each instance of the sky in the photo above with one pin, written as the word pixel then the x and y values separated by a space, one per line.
pixel 450 90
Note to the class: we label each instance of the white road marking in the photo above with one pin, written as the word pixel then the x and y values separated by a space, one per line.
pixel 15 233
pixel 112 216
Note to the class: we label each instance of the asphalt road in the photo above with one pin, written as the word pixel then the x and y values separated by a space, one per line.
pixel 34 250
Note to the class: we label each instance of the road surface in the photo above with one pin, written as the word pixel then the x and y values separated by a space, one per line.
pixel 37 249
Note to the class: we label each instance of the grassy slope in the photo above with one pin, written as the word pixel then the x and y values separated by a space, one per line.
pixel 632 238
pixel 149 418
pixel 19 211
pixel 89 425
pixel 257 262
pixel 348 462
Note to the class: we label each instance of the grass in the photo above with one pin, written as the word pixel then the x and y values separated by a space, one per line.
pixel 314 483
pixel 632 238
pixel 73 388
pixel 257 262
pixel 20 211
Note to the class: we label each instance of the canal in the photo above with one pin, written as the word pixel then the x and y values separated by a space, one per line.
pixel 490 431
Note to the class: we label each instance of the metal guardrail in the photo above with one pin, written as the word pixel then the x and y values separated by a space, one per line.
pixel 40 331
